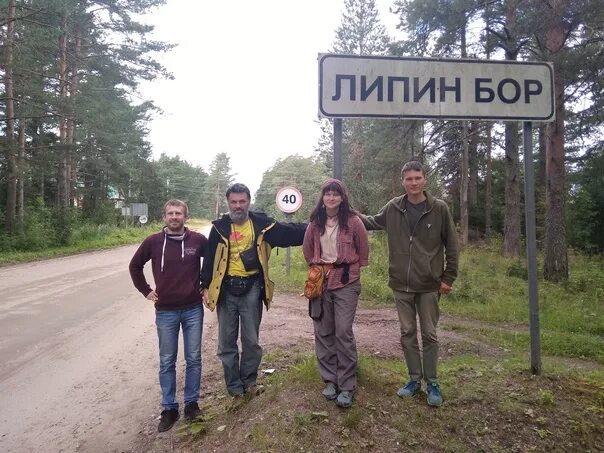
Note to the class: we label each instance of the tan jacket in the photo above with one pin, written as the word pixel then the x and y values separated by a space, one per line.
pixel 268 233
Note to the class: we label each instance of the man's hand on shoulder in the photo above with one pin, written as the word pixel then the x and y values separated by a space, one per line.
pixel 444 288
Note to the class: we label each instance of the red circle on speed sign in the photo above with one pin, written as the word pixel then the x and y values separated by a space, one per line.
pixel 289 199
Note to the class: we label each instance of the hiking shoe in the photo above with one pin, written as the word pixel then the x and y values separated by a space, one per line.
pixel 435 398
pixel 412 388
pixel 237 393
pixel 192 411
pixel 330 391
pixel 344 399
pixel 168 418
pixel 254 389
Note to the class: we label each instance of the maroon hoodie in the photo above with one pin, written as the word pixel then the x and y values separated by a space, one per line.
pixel 175 262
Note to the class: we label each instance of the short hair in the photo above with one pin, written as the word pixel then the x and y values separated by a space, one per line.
pixel 175 202
pixel 413 165
pixel 238 188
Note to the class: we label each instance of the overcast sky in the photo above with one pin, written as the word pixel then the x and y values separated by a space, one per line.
pixel 245 79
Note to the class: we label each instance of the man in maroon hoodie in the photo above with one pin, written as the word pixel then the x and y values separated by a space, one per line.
pixel 175 255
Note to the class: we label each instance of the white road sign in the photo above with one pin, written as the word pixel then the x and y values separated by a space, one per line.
pixel 421 88
pixel 289 199
pixel 143 219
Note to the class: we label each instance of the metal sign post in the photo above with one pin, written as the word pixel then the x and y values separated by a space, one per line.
pixel 337 148
pixel 531 246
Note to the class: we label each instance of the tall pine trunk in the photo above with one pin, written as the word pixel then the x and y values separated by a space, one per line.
pixel 555 266
pixel 463 186
pixel 488 189
pixel 10 148
pixel 21 176
pixel 63 192
pixel 511 228
pixel 71 119
pixel 473 164
pixel 488 183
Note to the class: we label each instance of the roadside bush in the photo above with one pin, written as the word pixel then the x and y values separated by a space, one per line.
pixel 64 220
pixel 105 214
pixel 89 232
pixel 38 231
pixel 517 269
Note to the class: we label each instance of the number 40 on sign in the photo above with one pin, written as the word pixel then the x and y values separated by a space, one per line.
pixel 288 199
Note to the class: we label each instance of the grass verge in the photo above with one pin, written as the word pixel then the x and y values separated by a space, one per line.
pixel 490 405
pixel 92 237
pixel 494 290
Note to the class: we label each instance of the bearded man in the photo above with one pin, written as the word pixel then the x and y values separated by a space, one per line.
pixel 235 281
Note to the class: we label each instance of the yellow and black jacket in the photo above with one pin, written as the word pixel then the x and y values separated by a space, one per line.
pixel 268 233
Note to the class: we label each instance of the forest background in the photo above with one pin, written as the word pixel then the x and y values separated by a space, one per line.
pixel 74 138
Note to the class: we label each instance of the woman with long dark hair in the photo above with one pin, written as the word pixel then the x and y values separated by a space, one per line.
pixel 337 240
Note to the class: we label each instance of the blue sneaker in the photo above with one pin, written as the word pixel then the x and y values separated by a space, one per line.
pixel 330 391
pixel 344 399
pixel 435 398
pixel 412 388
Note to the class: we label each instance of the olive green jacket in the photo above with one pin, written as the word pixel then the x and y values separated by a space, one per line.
pixel 421 259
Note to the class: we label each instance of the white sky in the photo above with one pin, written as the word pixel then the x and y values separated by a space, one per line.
pixel 246 79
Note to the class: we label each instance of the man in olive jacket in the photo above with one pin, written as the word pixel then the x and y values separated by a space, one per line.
pixel 422 249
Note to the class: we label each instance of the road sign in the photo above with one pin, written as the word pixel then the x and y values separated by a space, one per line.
pixel 143 219
pixel 139 209
pixel 423 88
pixel 289 199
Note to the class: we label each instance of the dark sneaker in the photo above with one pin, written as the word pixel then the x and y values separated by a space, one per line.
pixel 168 418
pixel 192 411
pixel 412 388
pixel 330 391
pixel 254 389
pixel 435 398
pixel 344 399
pixel 236 393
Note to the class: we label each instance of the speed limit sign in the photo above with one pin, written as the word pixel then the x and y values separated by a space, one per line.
pixel 289 199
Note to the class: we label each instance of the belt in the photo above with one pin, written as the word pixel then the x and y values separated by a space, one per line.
pixel 345 273
pixel 239 282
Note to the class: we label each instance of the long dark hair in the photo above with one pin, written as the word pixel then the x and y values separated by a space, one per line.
pixel 319 213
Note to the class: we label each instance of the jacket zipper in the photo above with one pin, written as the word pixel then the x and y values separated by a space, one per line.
pixel 411 241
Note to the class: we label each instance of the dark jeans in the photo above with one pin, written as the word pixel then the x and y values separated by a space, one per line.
pixel 240 370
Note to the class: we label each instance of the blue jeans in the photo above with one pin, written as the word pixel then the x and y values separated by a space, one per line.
pixel 168 324
pixel 240 374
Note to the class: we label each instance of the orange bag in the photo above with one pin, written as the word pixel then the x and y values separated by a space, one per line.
pixel 315 282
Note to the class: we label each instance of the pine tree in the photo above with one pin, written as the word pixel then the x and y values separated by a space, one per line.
pixel 217 183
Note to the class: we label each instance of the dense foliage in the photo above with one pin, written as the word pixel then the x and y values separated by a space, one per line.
pixel 74 142
pixel 74 137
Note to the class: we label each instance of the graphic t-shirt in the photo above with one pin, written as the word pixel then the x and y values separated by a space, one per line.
pixel 241 238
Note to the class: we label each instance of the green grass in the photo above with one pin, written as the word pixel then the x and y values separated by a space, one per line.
pixel 494 290
pixel 491 404
pixel 87 237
